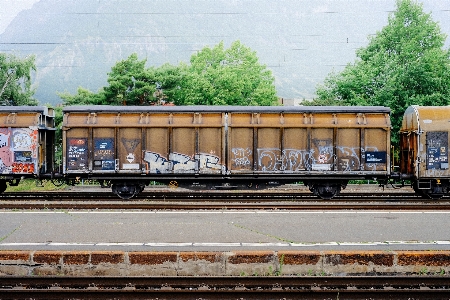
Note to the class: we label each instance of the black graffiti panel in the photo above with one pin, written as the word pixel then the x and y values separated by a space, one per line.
pixel 437 150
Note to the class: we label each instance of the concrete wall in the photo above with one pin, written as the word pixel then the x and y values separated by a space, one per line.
pixel 239 263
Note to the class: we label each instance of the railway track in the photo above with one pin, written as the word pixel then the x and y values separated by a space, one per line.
pixel 87 195
pixel 220 201
pixel 348 287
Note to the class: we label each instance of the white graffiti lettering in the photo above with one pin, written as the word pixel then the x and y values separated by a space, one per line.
pixel 182 163
pixel 241 157
pixel 295 160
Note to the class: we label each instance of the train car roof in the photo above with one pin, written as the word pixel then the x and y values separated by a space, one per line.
pixel 222 108
pixel 426 118
pixel 26 108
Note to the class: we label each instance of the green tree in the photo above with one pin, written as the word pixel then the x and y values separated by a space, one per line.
pixel 15 80
pixel 83 97
pixel 215 76
pixel 404 64
pixel 128 83
pixel 220 76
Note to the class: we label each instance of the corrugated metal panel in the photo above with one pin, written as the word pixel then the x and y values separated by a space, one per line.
pixel 259 140
pixel 309 142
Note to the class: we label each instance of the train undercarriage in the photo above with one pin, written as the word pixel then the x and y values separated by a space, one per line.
pixel 127 188
pixel 431 188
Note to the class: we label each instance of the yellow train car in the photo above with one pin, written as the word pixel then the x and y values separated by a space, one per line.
pixel 26 143
pixel 220 147
pixel 424 142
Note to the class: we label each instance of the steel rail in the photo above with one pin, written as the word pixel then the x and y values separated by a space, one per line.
pixel 208 195
pixel 348 287
pixel 221 201
pixel 224 206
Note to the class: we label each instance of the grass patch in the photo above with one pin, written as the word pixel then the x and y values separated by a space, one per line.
pixel 33 185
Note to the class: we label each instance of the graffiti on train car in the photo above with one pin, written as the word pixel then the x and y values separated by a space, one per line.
pixel 178 162
pixel 22 168
pixel 77 153
pixel 18 150
pixel 292 160
pixel 241 158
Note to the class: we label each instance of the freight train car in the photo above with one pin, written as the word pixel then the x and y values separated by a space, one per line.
pixel 424 141
pixel 225 147
pixel 26 143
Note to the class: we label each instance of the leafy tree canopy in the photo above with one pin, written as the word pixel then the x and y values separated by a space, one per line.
pixel 233 76
pixel 404 64
pixel 216 76
pixel 15 80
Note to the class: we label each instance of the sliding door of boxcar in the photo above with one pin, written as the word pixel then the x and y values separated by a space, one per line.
pixel 348 149
pixel 295 156
pixel 76 150
pixel 129 147
pixel 183 151
pixel 376 147
pixel 209 154
pixel 156 151
pixel 321 149
pixel 240 150
pixel 269 154
pixel 104 150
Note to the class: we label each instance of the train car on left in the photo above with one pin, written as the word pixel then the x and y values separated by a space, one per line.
pixel 27 135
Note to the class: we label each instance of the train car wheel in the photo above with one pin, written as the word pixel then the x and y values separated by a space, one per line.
pixel 328 192
pixel 325 191
pixel 3 186
pixel 125 191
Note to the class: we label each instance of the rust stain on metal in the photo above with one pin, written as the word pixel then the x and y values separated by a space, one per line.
pixel 152 258
pixel 107 257
pixel 47 257
pixel 249 257
pixel 343 258
pixel 299 258
pixel 76 258
pixel 433 258
pixel 14 255
pixel 212 257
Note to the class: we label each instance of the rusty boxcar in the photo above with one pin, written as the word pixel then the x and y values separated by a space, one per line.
pixel 225 147
pixel 424 141
pixel 26 143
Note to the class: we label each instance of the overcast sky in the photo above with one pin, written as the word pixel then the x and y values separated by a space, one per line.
pixel 329 31
pixel 10 8
pixel 440 10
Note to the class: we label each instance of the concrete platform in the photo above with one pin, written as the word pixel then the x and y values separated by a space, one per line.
pixel 223 243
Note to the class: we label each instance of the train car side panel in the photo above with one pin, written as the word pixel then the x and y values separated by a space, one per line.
pixel 322 149
pixel 156 151
pixel 348 149
pixel 104 150
pixel 210 150
pixel 19 150
pixel 76 150
pixel 227 146
pixel 129 149
pixel 26 143
pixel 376 150
pixel 424 141
pixel 294 156
pixel 240 148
